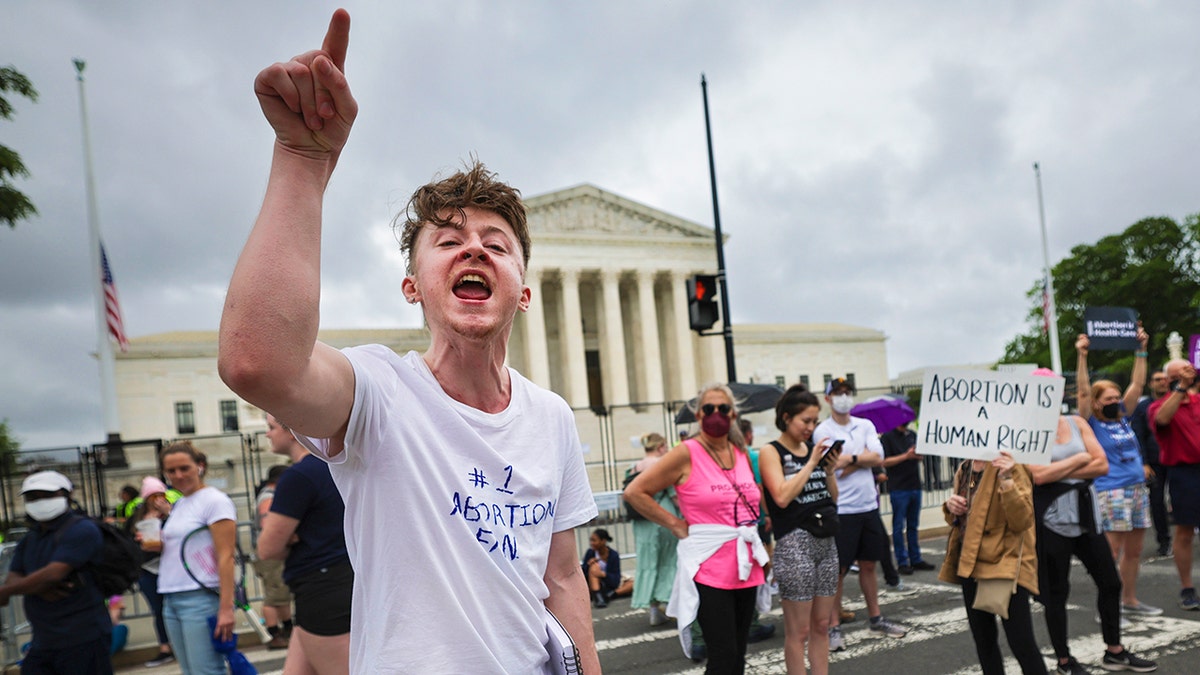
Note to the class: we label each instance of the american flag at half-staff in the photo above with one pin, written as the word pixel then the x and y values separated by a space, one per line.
pixel 112 308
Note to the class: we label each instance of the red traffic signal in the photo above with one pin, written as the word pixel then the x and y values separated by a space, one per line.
pixel 702 307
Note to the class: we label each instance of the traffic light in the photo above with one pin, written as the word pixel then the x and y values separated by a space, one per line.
pixel 702 307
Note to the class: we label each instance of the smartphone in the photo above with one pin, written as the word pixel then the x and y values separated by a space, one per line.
pixel 836 447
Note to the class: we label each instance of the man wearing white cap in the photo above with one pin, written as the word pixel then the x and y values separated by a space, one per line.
pixel 72 632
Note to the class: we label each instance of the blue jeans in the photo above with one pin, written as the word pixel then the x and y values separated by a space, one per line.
pixel 186 616
pixel 906 520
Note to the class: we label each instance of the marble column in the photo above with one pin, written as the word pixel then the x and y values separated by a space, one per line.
pixel 574 357
pixel 685 356
pixel 651 367
pixel 612 355
pixel 535 332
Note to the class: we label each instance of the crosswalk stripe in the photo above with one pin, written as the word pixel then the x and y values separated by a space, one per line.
pixel 1162 636
pixel 1151 637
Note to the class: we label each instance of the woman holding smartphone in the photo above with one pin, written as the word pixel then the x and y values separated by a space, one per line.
pixel 802 501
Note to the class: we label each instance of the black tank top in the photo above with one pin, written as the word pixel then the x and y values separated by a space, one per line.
pixel 814 496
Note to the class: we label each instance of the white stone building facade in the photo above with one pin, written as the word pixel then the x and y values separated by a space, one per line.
pixel 607 326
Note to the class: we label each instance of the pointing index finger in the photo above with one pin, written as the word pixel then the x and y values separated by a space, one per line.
pixel 337 38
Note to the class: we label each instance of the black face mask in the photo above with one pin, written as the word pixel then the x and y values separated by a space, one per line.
pixel 1111 411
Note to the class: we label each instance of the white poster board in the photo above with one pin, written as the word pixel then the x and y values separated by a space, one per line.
pixel 974 414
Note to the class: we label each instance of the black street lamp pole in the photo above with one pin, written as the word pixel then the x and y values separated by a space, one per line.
pixel 727 331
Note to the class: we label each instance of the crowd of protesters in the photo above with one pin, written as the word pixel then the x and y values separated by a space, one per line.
pixel 400 437
pixel 1015 529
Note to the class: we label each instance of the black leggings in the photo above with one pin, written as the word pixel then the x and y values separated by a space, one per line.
pixel 1018 628
pixel 724 617
pixel 1054 581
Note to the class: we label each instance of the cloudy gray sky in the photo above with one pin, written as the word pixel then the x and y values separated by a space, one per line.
pixel 875 157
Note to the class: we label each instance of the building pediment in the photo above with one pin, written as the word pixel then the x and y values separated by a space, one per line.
pixel 586 210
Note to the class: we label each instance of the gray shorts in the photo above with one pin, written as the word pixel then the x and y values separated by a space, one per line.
pixel 805 567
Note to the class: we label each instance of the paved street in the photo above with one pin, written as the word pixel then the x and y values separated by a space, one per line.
pixel 937 644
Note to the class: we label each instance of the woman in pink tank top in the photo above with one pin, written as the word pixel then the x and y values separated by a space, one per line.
pixel 715 486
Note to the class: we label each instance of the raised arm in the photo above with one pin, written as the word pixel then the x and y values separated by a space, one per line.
pixel 1137 380
pixel 268 348
pixel 1083 386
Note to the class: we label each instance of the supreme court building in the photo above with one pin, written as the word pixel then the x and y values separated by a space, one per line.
pixel 607 327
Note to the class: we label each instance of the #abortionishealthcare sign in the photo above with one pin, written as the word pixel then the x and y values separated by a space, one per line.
pixel 974 414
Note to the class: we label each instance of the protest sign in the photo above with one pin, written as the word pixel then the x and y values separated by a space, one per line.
pixel 1194 350
pixel 975 414
pixel 1111 328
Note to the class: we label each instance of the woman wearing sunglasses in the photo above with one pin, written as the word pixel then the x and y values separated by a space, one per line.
pixel 719 501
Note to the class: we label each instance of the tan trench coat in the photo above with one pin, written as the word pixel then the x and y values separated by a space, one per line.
pixel 999 528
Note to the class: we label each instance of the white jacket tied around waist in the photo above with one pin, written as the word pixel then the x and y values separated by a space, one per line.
pixel 701 543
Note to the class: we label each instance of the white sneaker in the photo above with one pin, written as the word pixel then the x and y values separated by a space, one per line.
pixel 898 589
pixel 836 642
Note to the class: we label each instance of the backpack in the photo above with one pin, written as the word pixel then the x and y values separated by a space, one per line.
pixel 630 512
pixel 120 562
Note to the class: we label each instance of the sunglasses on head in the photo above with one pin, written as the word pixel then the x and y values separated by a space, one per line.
pixel 724 409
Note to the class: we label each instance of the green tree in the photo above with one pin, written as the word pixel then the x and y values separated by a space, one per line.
pixel 14 205
pixel 9 447
pixel 1153 267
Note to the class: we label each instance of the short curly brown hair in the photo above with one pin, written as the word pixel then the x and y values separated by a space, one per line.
pixel 438 202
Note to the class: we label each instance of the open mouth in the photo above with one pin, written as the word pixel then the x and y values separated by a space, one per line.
pixel 472 287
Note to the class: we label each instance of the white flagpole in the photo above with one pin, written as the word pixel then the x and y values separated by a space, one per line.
pixel 108 388
pixel 1055 356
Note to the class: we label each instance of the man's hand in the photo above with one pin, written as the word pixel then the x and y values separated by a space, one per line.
pixel 1143 337
pixel 307 100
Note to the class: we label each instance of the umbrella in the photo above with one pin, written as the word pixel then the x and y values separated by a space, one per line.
pixel 749 398
pixel 885 412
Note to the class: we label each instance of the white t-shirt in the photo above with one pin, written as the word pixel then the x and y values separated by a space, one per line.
pixel 857 492
pixel 449 515
pixel 203 507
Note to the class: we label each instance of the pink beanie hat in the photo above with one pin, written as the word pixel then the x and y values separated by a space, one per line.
pixel 151 486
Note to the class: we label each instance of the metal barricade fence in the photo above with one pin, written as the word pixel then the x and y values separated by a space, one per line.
pixel 12 615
